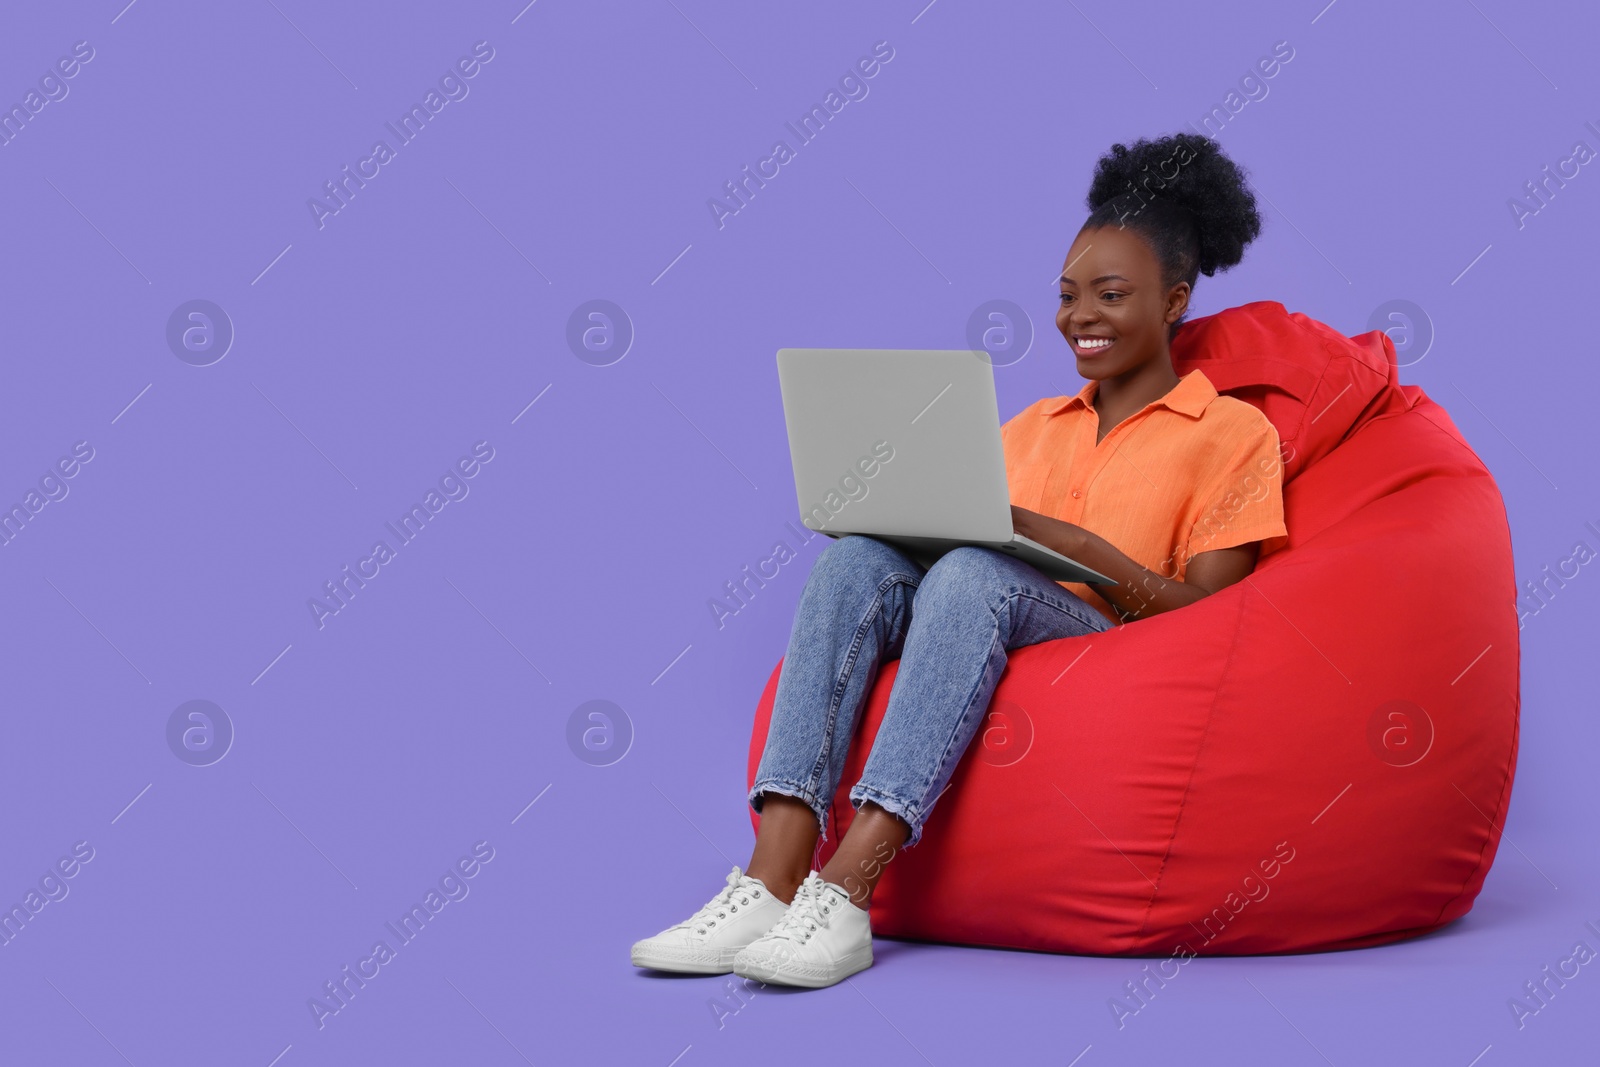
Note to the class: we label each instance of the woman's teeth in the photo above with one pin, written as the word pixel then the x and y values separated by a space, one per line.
pixel 1094 345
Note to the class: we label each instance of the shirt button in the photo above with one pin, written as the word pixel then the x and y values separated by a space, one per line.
pixel 1076 493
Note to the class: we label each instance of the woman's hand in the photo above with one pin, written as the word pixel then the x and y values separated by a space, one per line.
pixel 1065 537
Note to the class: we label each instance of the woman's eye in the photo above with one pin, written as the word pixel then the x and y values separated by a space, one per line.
pixel 1111 296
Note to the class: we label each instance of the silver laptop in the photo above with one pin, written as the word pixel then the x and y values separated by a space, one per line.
pixel 904 445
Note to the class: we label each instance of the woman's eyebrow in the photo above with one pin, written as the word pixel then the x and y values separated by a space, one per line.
pixel 1097 281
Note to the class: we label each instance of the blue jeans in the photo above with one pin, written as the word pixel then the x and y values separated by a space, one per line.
pixel 951 625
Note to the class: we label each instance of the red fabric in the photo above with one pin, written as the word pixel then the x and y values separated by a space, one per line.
pixel 1225 779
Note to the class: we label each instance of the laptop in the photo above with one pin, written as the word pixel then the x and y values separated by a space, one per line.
pixel 904 445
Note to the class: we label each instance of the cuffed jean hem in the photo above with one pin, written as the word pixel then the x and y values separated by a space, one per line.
pixel 792 789
pixel 906 810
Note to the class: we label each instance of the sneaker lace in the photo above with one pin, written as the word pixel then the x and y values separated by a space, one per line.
pixel 724 904
pixel 809 912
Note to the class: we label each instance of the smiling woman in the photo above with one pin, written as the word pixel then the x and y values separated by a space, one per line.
pixel 1117 477
pixel 1161 214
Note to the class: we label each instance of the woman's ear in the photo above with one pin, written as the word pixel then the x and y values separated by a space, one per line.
pixel 1177 302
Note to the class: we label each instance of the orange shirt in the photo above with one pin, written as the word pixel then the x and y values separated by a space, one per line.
pixel 1191 472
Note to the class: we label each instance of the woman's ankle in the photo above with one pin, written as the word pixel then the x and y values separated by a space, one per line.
pixel 781 886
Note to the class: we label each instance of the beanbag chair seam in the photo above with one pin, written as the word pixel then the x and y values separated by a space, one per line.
pixel 1338 358
pixel 1216 692
pixel 1477 461
pixel 1303 425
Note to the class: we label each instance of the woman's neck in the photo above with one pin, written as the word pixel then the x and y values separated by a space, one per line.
pixel 1121 395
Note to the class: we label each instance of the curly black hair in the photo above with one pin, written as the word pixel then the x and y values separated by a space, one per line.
pixel 1184 197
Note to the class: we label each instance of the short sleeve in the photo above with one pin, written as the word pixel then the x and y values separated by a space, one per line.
pixel 1244 502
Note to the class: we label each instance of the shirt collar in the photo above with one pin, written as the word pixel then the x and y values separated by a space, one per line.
pixel 1190 396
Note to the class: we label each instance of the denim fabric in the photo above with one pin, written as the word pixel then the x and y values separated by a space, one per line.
pixel 951 625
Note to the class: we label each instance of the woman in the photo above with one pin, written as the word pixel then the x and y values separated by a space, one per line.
pixel 1151 479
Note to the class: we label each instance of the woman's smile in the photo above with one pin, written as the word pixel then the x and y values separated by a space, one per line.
pixel 1088 346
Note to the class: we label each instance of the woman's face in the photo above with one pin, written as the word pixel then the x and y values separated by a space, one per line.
pixel 1111 292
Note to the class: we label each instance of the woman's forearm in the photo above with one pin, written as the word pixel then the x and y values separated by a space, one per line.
pixel 1139 593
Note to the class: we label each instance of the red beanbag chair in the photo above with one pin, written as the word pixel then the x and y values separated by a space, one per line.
pixel 1318 757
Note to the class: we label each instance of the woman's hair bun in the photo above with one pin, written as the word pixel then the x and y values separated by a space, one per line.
pixel 1188 198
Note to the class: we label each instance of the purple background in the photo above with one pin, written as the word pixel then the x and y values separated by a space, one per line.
pixel 430 311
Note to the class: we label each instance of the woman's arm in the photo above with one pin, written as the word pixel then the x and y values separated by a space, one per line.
pixel 1140 592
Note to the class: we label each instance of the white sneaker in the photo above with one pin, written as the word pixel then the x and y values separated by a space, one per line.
pixel 824 938
pixel 706 942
